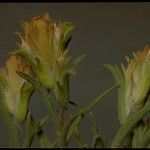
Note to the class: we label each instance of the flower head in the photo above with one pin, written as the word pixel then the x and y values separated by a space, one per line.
pixel 44 45
pixel 137 79
pixel 15 91
pixel 134 81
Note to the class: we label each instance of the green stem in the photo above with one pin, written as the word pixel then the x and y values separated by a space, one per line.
pixel 97 140
pixel 62 96
pixel 61 123
pixel 94 102
pixel 61 116
pixel 46 97
pixel 30 131
pixel 79 139
pixel 130 123
pixel 52 111
pixel 44 93
pixel 75 119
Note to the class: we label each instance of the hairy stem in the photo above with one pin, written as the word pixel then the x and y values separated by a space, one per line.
pixel 62 116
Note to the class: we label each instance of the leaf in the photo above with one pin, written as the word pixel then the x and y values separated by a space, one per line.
pixel 127 141
pixel 98 140
pixel 80 141
pixel 44 93
pixel 131 121
pixel 75 120
pixel 94 102
pixel 44 140
pixel 26 55
pixel 77 60
pixel 43 120
pixel 26 92
pixel 117 74
pixel 67 28
pixel 26 77
pixel 30 131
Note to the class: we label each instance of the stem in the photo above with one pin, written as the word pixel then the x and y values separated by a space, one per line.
pixel 63 98
pixel 44 93
pixel 130 123
pixel 51 107
pixel 62 116
pixel 76 118
pixel 95 101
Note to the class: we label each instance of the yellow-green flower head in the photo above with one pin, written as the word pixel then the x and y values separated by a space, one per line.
pixel 134 83
pixel 44 45
pixel 137 79
pixel 14 90
pixel 45 41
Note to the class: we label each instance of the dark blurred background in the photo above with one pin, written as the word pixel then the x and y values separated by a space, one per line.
pixel 105 33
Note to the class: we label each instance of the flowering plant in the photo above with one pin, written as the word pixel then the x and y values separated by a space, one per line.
pixel 42 63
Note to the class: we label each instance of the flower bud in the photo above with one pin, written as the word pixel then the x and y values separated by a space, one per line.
pixel 137 80
pixel 15 91
pixel 134 83
pixel 44 45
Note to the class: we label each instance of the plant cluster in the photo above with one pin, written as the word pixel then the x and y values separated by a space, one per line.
pixel 42 63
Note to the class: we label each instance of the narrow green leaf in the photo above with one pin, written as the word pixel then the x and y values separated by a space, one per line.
pixel 72 127
pixel 75 120
pixel 43 120
pixel 131 121
pixel 78 59
pixel 24 54
pixel 44 140
pixel 79 139
pixel 26 77
pixel 119 79
pixel 26 92
pixel 44 93
pixel 98 140
pixel 94 102
pixel 127 143
pixel 67 28
pixel 67 131
pixel 30 131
